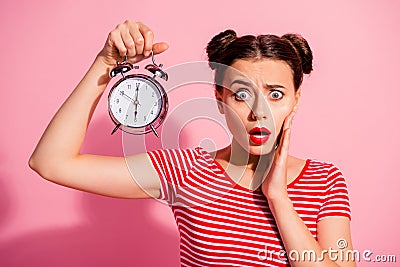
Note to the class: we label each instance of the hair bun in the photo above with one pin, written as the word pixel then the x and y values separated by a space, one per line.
pixel 303 50
pixel 218 44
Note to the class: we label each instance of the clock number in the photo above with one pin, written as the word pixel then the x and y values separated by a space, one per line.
pixel 145 118
pixel 137 86
pixel 152 94
pixel 119 110
pixel 117 100
pixel 129 86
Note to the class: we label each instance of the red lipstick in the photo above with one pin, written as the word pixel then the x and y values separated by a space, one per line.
pixel 259 135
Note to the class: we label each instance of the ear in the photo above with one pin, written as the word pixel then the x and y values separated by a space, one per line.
pixel 297 99
pixel 218 97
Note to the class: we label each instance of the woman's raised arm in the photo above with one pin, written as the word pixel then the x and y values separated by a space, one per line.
pixel 57 156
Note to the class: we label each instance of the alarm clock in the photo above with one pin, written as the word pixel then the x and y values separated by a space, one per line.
pixel 137 103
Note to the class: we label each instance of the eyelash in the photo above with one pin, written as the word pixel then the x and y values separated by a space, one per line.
pixel 277 91
pixel 236 94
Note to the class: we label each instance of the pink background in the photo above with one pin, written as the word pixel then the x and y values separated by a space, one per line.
pixel 348 115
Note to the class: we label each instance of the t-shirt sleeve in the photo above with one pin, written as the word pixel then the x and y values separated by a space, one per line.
pixel 336 200
pixel 172 166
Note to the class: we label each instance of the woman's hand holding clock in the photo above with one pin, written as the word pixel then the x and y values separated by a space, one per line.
pixel 58 156
pixel 130 38
pixel 131 111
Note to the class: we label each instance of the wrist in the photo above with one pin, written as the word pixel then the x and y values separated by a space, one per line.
pixel 279 201
pixel 101 70
pixel 274 194
pixel 101 56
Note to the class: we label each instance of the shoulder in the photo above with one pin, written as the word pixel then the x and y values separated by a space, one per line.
pixel 310 168
pixel 175 156
pixel 175 152
pixel 327 167
pixel 328 172
pixel 312 164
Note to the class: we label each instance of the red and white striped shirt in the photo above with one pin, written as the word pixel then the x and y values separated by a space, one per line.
pixel 222 223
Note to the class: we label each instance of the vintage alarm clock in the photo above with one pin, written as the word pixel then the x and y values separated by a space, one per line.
pixel 137 103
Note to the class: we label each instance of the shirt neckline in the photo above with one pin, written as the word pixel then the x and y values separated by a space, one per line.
pixel 237 185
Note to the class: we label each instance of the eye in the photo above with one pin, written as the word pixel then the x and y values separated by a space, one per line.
pixel 242 95
pixel 276 95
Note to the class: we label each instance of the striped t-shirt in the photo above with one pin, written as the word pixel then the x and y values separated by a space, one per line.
pixel 222 223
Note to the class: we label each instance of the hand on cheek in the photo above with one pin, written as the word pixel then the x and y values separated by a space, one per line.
pixel 275 184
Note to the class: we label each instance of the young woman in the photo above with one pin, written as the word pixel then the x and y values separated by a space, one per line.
pixel 251 204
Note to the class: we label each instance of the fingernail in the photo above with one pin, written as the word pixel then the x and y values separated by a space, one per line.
pixel 146 53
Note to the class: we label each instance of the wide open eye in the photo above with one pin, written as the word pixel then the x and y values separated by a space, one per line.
pixel 276 94
pixel 242 95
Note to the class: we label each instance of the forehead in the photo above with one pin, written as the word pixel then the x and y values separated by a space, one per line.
pixel 260 72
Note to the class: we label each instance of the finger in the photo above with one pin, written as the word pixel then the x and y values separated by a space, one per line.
pixel 157 49
pixel 286 142
pixel 116 40
pixel 288 120
pixel 292 118
pixel 148 35
pixel 137 37
pixel 136 58
pixel 160 47
pixel 283 149
pixel 128 42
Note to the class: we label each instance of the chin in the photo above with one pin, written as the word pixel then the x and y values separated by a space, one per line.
pixel 260 149
pixel 254 149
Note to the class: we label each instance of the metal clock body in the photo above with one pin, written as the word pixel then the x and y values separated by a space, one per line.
pixel 137 103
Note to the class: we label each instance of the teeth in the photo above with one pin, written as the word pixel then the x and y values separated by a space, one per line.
pixel 260 133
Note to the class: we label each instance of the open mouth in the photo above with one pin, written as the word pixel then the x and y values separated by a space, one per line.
pixel 259 135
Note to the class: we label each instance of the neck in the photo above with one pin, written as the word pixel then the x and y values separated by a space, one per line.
pixel 235 154
pixel 247 169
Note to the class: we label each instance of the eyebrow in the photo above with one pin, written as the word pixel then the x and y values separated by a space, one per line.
pixel 249 84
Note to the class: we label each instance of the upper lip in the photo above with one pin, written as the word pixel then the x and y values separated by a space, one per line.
pixel 261 130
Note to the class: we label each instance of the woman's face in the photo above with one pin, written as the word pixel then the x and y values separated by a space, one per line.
pixel 257 94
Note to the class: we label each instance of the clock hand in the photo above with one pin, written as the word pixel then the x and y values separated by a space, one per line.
pixel 137 91
pixel 135 111
pixel 136 99
pixel 130 98
pixel 135 102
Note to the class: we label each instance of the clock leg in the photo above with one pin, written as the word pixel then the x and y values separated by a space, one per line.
pixel 154 130
pixel 116 128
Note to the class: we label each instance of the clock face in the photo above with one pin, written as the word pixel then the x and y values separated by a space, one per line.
pixel 135 102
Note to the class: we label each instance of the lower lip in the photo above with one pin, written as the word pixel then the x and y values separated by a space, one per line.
pixel 258 139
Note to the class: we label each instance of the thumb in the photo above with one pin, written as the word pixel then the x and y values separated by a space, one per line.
pixel 160 47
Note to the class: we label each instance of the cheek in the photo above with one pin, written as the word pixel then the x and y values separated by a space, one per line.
pixel 235 120
pixel 280 113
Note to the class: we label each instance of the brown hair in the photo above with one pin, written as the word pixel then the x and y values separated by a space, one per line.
pixel 225 47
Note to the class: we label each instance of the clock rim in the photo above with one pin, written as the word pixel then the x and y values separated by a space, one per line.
pixel 159 118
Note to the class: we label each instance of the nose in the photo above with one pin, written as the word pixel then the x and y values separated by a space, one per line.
pixel 259 109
